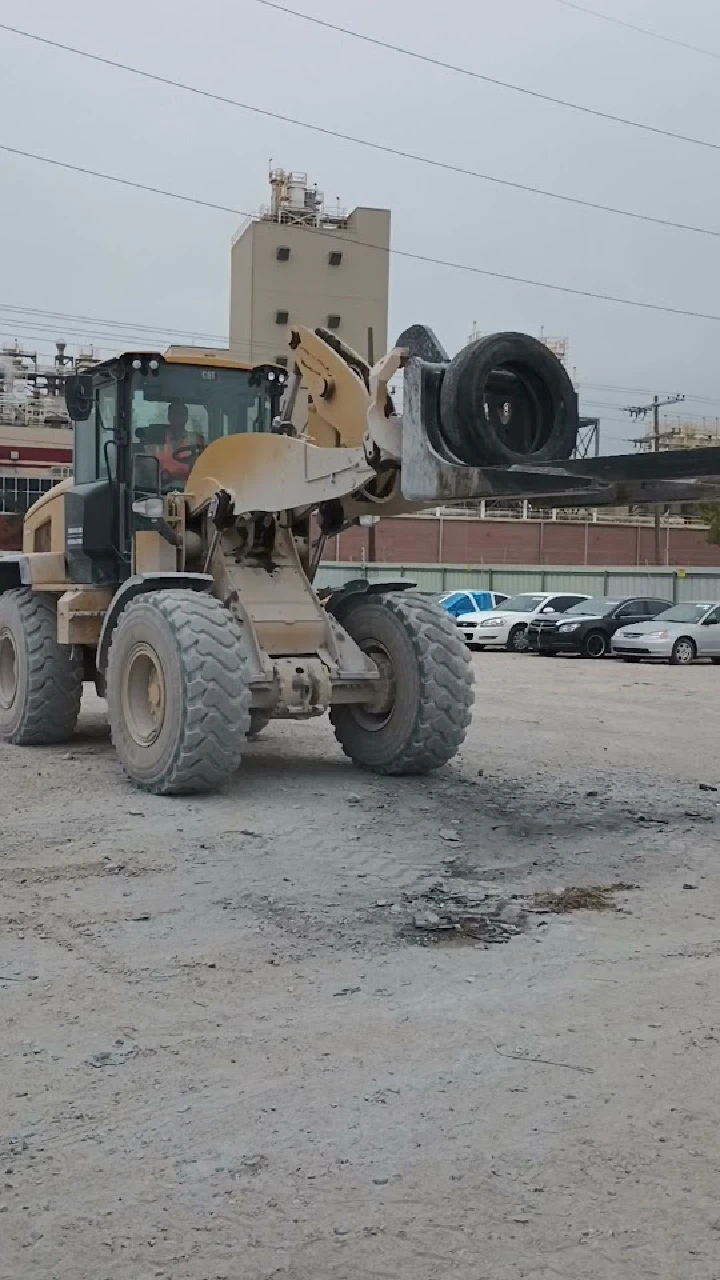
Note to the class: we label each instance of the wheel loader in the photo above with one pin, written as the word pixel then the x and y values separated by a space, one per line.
pixel 175 568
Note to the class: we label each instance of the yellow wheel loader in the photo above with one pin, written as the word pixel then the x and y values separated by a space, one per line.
pixel 175 568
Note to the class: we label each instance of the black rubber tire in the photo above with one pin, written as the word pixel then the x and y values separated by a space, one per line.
pixel 259 720
pixel 46 703
pixel 428 722
pixel 544 421
pixel 201 651
pixel 676 660
pixel 514 644
pixel 592 647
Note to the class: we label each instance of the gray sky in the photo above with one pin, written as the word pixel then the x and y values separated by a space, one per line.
pixel 75 244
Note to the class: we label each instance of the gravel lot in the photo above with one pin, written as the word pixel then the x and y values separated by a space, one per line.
pixel 227 1051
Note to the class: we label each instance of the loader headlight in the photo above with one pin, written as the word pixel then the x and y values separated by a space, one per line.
pixel 492 622
pixel 569 626
pixel 151 508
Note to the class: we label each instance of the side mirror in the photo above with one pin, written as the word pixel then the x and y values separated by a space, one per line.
pixel 79 395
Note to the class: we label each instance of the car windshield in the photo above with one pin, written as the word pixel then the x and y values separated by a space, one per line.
pixel 523 603
pixel 683 613
pixel 595 606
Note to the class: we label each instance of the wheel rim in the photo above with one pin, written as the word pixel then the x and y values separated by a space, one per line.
pixel 518 640
pixel 143 695
pixel 374 715
pixel 684 651
pixel 8 670
pixel 596 646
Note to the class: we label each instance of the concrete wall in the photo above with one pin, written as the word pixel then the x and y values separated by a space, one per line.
pixel 306 286
pixel 476 542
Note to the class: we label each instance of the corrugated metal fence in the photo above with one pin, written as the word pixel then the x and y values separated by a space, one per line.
pixel 667 583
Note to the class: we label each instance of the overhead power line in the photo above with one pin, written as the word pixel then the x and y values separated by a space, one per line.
pixel 477 75
pixel 643 31
pixel 397 253
pixel 612 386
pixel 445 165
pixel 114 324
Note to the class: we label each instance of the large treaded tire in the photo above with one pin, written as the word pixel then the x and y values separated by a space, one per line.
pixel 206 676
pixel 432 670
pixel 515 369
pixel 49 676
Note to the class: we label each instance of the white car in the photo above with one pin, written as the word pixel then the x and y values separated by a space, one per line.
pixel 507 626
pixel 679 635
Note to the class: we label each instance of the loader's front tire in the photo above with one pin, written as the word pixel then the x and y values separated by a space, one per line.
pixel 178 691
pixel 420 713
pixel 40 680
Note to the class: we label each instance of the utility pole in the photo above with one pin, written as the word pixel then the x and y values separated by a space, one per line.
pixel 371 538
pixel 641 411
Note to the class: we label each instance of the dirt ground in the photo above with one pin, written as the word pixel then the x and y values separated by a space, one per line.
pixel 227 1051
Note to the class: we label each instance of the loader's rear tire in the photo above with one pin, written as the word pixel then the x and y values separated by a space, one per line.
pixel 178 691
pixel 419 717
pixel 40 680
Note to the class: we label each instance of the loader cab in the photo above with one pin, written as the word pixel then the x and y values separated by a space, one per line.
pixel 140 421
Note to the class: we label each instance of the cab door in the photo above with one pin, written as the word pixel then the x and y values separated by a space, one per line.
pixel 91 506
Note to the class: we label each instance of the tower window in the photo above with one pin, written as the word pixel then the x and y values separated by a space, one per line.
pixel 282 317
pixel 282 253
pixel 333 322
pixel 335 257
pixel 282 361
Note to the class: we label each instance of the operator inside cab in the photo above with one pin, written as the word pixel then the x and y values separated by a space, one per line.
pixel 177 450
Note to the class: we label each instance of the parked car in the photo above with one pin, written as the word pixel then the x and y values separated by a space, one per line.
pixel 679 635
pixel 588 627
pixel 461 602
pixel 508 626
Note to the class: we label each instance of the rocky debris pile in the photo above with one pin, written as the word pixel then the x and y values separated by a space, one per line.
pixel 443 914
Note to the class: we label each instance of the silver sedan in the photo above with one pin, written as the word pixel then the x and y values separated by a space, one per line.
pixel 679 635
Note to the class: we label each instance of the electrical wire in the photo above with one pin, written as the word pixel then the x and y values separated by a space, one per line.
pixel 115 324
pixel 398 253
pixel 643 31
pixel 477 75
pixel 432 162
pixel 649 391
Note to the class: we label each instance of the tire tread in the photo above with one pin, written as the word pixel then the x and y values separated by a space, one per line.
pixel 55 673
pixel 215 718
pixel 444 705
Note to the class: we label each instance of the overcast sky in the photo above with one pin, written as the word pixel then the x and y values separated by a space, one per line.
pixel 75 244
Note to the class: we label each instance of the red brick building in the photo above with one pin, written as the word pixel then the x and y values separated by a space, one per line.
pixel 454 540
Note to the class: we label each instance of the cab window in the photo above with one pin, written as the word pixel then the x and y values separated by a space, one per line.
pixel 91 456
pixel 176 411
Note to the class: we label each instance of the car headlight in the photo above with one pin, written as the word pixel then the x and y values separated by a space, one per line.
pixel 492 622
pixel 569 626
pixel 657 635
